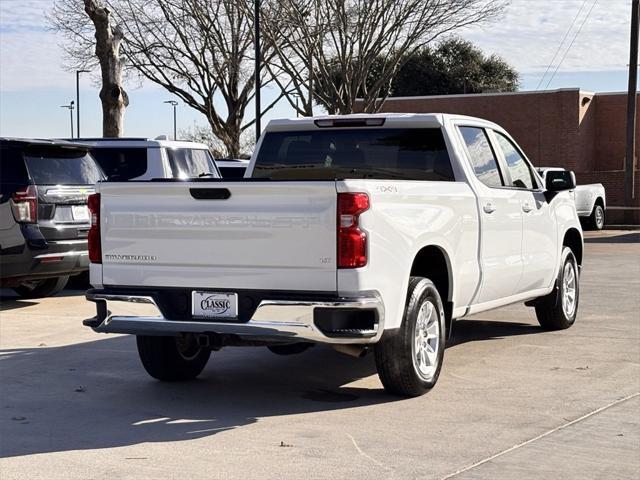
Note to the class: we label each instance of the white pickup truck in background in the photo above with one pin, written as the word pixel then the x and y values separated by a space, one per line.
pixel 591 201
pixel 366 232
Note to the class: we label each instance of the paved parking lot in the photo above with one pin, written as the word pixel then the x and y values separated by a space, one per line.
pixel 512 401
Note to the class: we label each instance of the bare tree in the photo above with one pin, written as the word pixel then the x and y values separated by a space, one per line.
pixel 199 50
pixel 325 49
pixel 97 41
pixel 203 134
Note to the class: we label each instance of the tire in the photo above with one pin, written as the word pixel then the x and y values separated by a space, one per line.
pixel 172 359
pixel 290 349
pixel 401 369
pixel 596 219
pixel 556 311
pixel 42 288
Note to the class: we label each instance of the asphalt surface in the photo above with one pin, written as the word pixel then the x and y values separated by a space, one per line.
pixel 512 401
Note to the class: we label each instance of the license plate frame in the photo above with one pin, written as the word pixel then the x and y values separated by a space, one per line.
pixel 80 213
pixel 211 305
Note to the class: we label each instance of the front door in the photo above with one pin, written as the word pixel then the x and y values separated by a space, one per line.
pixel 539 239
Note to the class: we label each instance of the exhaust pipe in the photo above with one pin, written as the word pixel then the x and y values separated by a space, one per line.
pixel 357 351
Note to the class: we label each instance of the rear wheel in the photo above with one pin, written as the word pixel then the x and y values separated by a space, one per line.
pixel 409 360
pixel 172 359
pixel 596 219
pixel 42 288
pixel 558 310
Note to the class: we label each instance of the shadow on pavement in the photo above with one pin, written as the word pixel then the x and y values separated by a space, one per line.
pixel 633 237
pixel 9 300
pixel 480 330
pixel 97 395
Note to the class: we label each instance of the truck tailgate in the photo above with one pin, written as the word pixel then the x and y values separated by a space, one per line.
pixel 223 235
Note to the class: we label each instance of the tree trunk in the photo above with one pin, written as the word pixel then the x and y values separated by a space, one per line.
pixel 112 94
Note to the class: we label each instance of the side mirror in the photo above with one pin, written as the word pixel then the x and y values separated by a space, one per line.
pixel 560 180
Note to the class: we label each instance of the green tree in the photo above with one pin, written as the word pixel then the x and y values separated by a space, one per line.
pixel 453 66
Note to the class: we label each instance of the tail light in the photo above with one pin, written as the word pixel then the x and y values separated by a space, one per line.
pixel 24 205
pixel 95 249
pixel 352 242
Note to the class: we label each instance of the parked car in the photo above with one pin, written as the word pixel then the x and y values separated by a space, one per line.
pixel 44 220
pixel 363 232
pixel 124 159
pixel 591 201
pixel 232 167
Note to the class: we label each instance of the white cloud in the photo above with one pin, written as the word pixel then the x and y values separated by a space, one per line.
pixel 30 55
pixel 529 33
pixel 527 36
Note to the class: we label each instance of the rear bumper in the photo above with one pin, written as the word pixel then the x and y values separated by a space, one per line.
pixel 54 260
pixel 343 320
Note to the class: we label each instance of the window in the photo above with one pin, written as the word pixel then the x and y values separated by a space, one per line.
pixel 521 174
pixel 12 170
pixel 189 163
pixel 483 160
pixel 57 167
pixel 121 164
pixel 381 153
pixel 233 172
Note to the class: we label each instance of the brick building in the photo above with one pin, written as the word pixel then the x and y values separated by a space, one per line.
pixel 581 131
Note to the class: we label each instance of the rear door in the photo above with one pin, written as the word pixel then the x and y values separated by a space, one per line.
pixel 220 235
pixel 500 219
pixel 64 178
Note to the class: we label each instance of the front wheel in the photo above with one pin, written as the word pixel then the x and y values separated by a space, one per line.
pixel 558 310
pixel 172 359
pixel 409 360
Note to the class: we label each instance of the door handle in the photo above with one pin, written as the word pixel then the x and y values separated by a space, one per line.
pixel 526 207
pixel 210 193
pixel 489 208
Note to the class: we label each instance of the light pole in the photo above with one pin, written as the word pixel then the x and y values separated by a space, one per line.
pixel 78 72
pixel 70 107
pixel 256 26
pixel 175 104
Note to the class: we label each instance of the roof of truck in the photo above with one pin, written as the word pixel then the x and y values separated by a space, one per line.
pixel 133 142
pixel 375 119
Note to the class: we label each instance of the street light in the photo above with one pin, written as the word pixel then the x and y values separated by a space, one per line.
pixel 175 104
pixel 78 72
pixel 70 107
pixel 256 26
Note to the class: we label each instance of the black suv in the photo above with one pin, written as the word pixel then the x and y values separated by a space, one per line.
pixel 44 218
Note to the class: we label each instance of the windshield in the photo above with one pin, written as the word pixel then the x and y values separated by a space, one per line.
pixel 190 163
pixel 62 168
pixel 381 153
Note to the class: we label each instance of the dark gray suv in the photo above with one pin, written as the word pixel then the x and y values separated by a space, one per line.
pixel 44 218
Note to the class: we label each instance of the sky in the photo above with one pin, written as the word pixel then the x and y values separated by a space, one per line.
pixel 33 83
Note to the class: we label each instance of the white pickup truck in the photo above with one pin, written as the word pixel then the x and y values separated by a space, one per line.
pixel 367 232
pixel 590 201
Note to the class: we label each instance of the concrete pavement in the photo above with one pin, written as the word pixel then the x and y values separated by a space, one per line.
pixel 512 401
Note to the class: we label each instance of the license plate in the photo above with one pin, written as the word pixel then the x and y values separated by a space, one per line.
pixel 80 212
pixel 214 305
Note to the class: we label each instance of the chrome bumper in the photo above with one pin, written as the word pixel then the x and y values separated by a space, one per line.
pixel 273 319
